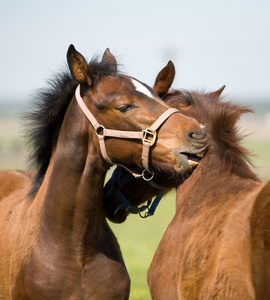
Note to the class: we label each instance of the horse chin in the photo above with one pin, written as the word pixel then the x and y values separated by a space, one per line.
pixel 118 218
pixel 109 208
pixel 186 162
pixel 182 165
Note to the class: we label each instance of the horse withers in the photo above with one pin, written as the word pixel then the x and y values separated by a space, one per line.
pixel 218 244
pixel 55 242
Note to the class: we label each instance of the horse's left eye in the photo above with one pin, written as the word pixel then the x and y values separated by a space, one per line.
pixel 125 107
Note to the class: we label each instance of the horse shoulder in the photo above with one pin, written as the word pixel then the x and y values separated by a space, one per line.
pixel 231 276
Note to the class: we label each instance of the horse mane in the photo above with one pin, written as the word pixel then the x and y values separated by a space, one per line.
pixel 49 106
pixel 220 119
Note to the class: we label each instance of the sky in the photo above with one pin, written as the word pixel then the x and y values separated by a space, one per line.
pixel 211 42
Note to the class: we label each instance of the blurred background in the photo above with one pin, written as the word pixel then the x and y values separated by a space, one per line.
pixel 210 42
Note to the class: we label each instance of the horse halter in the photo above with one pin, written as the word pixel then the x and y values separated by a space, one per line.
pixel 148 135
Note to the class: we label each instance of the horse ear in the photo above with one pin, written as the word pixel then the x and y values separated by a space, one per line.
pixel 109 58
pixel 164 80
pixel 218 92
pixel 78 66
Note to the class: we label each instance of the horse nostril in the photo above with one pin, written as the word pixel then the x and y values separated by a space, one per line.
pixel 197 135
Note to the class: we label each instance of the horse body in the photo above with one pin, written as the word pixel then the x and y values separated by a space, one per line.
pixel 209 245
pixel 213 246
pixel 55 242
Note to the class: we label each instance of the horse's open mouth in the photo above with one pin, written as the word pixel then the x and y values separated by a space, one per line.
pixel 194 158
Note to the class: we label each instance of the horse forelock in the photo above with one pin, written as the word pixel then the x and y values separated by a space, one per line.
pixel 97 70
pixel 49 106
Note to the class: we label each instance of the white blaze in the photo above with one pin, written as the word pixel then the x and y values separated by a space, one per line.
pixel 141 88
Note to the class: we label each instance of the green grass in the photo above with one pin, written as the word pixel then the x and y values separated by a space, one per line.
pixel 261 158
pixel 137 237
pixel 12 145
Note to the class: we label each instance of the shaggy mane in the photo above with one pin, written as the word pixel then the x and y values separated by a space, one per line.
pixel 220 119
pixel 49 106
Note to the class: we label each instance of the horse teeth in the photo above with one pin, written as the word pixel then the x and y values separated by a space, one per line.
pixel 192 163
pixel 200 154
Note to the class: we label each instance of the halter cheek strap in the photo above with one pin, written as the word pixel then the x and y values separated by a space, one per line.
pixel 151 131
pixel 148 135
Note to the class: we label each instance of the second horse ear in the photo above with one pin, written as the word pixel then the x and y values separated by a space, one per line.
pixel 78 66
pixel 217 93
pixel 110 59
pixel 164 80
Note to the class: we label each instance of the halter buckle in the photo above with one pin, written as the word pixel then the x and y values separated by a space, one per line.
pixel 149 137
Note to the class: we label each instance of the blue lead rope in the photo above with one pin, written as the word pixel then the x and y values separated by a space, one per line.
pixel 143 211
pixel 152 208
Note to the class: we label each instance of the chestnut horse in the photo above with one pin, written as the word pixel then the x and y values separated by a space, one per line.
pixel 218 244
pixel 55 242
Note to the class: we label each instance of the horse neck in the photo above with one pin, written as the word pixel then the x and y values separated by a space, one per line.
pixel 73 185
pixel 210 184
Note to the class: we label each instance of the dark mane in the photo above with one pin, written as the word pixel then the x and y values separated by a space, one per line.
pixel 220 119
pixel 49 106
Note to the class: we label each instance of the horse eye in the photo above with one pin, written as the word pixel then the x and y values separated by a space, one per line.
pixel 125 107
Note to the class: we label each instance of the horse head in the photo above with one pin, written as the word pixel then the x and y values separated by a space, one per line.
pixel 132 125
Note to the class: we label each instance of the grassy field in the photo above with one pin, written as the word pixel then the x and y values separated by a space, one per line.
pixel 138 237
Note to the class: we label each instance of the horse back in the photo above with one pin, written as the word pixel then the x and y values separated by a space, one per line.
pixel 12 180
pixel 260 243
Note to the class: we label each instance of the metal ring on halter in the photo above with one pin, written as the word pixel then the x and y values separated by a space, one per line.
pixel 144 213
pixel 100 127
pixel 145 178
